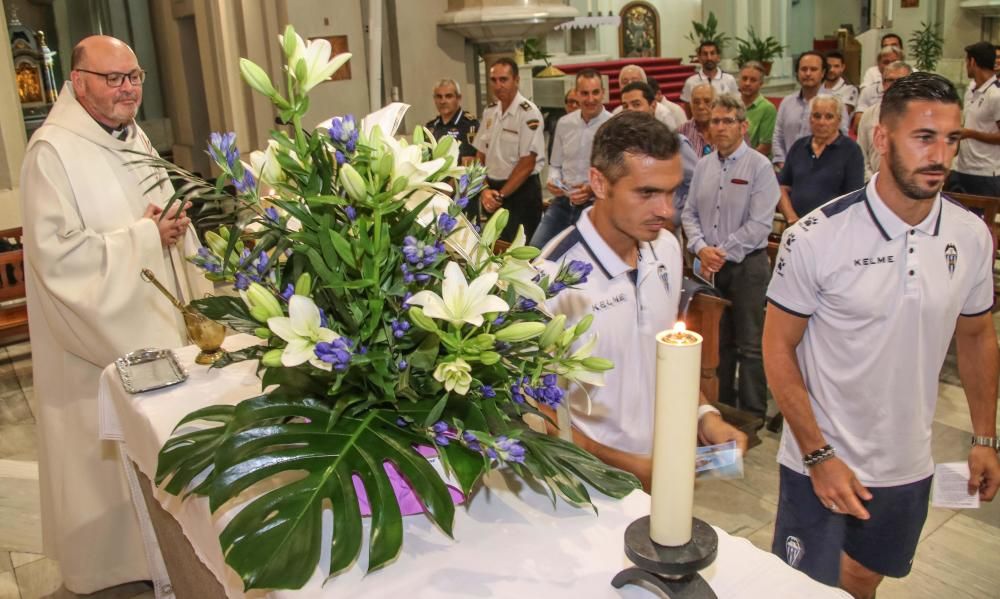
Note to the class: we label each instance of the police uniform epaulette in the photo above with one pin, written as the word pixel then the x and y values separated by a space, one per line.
pixel 491 105
pixel 526 105
pixel 469 115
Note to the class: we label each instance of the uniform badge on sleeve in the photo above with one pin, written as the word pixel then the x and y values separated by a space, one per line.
pixel 951 258
pixel 533 124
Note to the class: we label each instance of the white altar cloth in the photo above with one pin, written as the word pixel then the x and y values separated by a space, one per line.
pixel 509 541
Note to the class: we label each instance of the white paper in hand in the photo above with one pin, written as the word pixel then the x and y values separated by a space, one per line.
pixel 951 487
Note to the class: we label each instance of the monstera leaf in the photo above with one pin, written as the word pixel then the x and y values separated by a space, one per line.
pixel 308 452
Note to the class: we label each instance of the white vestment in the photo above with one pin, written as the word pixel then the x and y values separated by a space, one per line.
pixel 85 244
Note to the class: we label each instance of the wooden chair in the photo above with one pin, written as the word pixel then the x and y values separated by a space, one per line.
pixel 13 304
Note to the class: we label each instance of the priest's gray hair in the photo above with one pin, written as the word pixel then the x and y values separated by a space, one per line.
pixel 446 82
pixel 838 105
pixel 728 101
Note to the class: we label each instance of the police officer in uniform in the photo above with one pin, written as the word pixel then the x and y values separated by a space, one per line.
pixel 512 146
pixel 457 123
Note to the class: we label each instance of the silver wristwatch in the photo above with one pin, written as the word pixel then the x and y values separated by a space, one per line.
pixel 992 442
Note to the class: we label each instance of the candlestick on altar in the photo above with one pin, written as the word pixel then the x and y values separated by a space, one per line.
pixel 668 547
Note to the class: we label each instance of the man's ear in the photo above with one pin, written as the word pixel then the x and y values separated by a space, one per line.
pixel 599 184
pixel 880 139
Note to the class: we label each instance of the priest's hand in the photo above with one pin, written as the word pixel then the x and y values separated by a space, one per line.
pixel 713 430
pixel 984 472
pixel 838 489
pixel 172 224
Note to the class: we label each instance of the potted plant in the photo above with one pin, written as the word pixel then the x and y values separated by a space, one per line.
pixel 763 50
pixel 708 32
pixel 926 44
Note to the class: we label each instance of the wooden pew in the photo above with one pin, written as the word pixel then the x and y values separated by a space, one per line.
pixel 13 305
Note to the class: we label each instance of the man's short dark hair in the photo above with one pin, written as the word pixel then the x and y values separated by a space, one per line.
pixel 647 91
pixel 835 54
pixel 822 60
pixel 589 74
pixel 505 60
pixel 706 43
pixel 653 85
pixel 631 132
pixel 915 87
pixel 893 35
pixel 983 53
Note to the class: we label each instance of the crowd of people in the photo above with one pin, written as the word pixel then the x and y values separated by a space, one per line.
pixel 875 274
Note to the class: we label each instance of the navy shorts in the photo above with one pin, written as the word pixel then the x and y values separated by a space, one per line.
pixel 809 537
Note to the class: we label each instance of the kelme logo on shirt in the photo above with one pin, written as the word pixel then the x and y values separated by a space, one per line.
pixel 874 260
pixel 610 302
pixel 951 258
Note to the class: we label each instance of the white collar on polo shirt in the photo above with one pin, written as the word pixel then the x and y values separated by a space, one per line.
pixel 891 225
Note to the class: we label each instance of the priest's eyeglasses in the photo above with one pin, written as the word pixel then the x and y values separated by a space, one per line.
pixel 135 77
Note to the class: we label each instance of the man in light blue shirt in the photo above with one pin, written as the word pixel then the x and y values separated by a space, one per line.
pixel 793 115
pixel 727 218
pixel 569 165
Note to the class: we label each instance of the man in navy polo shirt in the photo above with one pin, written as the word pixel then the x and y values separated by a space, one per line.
pixel 867 293
pixel 632 290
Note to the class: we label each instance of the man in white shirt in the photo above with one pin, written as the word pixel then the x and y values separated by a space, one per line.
pixel 867 294
pixel 667 112
pixel 977 169
pixel 569 164
pixel 632 290
pixel 871 94
pixel 834 82
pixel 869 120
pixel 512 146
pixel 873 75
pixel 723 83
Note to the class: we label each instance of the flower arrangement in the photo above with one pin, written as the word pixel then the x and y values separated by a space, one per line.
pixel 389 330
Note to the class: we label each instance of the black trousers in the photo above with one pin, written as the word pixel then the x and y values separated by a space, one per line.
pixel 740 331
pixel 524 206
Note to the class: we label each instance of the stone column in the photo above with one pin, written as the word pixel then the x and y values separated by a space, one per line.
pixel 12 137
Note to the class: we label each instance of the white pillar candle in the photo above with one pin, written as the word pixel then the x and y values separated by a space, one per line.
pixel 675 435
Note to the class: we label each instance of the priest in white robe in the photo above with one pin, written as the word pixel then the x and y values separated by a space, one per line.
pixel 89 229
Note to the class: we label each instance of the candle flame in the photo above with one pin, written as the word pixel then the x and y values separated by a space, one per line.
pixel 679 327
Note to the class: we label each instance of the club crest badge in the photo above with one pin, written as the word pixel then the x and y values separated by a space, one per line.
pixel 951 258
pixel 664 277
pixel 794 551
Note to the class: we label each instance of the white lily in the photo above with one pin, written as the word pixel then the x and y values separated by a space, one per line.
pixel 520 274
pixel 264 165
pixel 316 55
pixel 463 239
pixel 302 330
pixel 407 162
pixel 460 301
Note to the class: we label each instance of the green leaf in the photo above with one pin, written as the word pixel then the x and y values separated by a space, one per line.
pixel 343 248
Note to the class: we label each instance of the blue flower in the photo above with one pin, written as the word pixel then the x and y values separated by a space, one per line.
pixel 322 319
pixel 472 442
pixel 519 389
pixel 487 391
pixel 406 296
pixel 337 353
pixel 288 292
pixel 271 213
pixel 242 282
pixel 556 287
pixel 462 201
pixel 262 262
pixel 463 183
pixel 339 156
pixel 499 320
pixel 446 223
pixel 510 450
pixel 440 430
pixel 222 149
pixel 399 327
pixel 549 393
pixel 402 365
pixel 524 304
pixel 247 183
pixel 351 213
pixel 577 272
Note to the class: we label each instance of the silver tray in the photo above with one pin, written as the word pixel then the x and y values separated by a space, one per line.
pixel 148 369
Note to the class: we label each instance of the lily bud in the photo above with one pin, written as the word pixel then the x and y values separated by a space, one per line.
pixel 421 320
pixel 488 358
pixel 552 331
pixel 259 314
pixel 520 331
pixel 272 359
pixel 385 165
pixel 493 228
pixel 262 298
pixel 257 78
pixel 597 364
pixel 584 325
pixel 525 252
pixel 262 332
pixel 216 243
pixel 303 286
pixel 485 341
pixel 352 183
pixel 443 146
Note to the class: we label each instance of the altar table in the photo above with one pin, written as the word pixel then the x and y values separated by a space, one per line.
pixel 510 541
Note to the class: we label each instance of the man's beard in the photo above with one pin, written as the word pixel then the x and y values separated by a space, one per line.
pixel 709 65
pixel 907 182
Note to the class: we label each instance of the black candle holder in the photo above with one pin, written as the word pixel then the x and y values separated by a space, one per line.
pixel 673 570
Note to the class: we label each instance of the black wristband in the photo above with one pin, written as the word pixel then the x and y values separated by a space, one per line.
pixel 820 455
